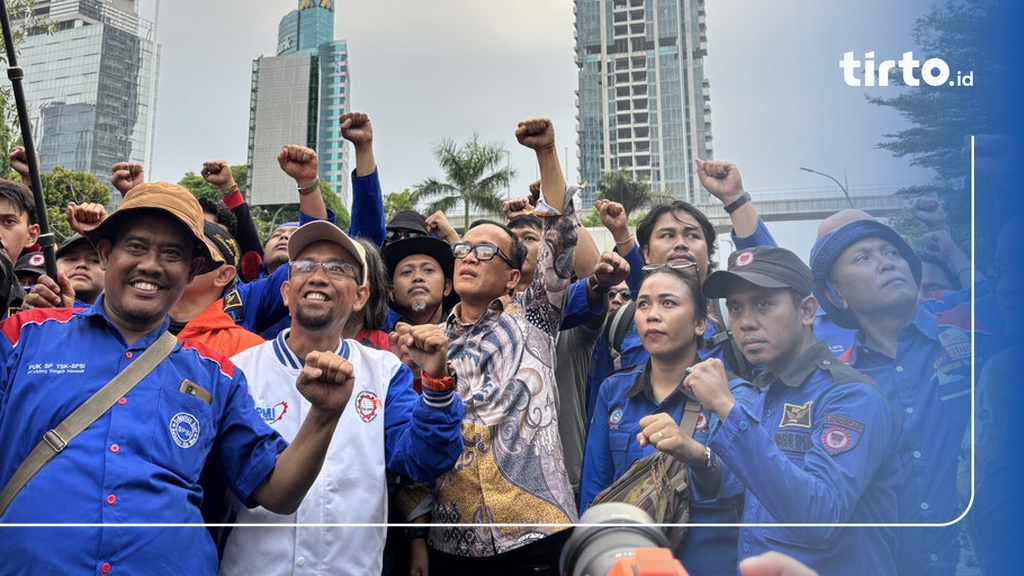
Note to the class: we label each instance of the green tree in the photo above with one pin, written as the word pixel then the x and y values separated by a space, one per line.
pixel 341 216
pixel 62 186
pixel 967 35
pixel 200 188
pixel 474 176
pixel 395 202
pixel 621 187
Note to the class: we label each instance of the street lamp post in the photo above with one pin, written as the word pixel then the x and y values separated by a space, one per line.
pixel 838 183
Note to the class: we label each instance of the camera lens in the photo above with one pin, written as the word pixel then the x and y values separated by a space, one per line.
pixel 620 529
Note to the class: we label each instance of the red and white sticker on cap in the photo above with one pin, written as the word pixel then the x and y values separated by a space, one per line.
pixel 35 260
pixel 744 259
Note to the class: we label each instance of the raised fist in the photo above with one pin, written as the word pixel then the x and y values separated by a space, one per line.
pixel 536 133
pixel 721 179
pixel 326 381
pixel 298 162
pixel 218 173
pixel 85 217
pixel 126 175
pixel 356 128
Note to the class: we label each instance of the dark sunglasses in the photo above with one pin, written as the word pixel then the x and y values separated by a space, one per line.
pixel 624 292
pixel 396 235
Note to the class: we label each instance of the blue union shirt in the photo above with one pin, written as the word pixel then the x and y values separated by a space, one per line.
pixel 929 385
pixel 624 399
pixel 819 446
pixel 138 463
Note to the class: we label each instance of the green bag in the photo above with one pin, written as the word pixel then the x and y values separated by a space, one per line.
pixel 659 485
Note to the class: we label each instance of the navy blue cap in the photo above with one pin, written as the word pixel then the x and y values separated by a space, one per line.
pixel 828 248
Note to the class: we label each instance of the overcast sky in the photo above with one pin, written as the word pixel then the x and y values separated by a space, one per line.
pixel 426 70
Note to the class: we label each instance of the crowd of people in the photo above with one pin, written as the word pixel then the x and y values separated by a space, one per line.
pixel 483 386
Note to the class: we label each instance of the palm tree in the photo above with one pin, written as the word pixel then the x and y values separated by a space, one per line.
pixel 622 188
pixel 474 175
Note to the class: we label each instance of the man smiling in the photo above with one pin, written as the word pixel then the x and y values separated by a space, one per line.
pixel 388 425
pixel 140 460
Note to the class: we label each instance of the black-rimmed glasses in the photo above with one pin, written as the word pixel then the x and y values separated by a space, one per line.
pixel 483 252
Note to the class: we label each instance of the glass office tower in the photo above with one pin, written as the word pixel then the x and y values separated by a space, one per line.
pixel 297 97
pixel 92 86
pixel 643 103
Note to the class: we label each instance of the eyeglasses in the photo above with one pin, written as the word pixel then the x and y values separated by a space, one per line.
pixel 624 292
pixel 676 266
pixel 483 252
pixel 333 270
pixel 396 235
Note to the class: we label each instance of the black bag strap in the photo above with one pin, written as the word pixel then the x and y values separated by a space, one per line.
pixel 55 440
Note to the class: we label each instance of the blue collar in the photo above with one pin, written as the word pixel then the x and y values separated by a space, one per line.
pixel 289 359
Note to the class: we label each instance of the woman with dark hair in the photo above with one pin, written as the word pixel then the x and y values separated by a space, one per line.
pixel 638 411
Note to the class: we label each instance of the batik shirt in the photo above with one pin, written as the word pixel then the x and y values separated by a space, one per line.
pixel 511 469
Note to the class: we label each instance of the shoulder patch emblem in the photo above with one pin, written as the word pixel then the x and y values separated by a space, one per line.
pixel 615 417
pixel 368 405
pixel 840 434
pixel 702 421
pixel 797 416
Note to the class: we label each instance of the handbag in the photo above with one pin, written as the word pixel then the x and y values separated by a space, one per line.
pixel 55 440
pixel 658 484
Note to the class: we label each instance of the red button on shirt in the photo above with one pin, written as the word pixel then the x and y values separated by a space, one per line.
pixel 122 400
pixel 114 448
pixel 111 499
pixel 105 568
pixel 128 354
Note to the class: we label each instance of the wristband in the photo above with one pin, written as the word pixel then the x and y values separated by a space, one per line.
pixel 309 188
pixel 595 286
pixel 229 191
pixel 438 392
pixel 735 204
pixel 444 384
pixel 626 241
pixel 415 532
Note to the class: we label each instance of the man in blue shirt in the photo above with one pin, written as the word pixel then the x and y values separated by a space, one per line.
pixel 139 462
pixel 866 278
pixel 820 444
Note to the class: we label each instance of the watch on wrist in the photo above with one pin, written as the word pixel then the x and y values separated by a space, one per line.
pixel 596 286
pixel 735 204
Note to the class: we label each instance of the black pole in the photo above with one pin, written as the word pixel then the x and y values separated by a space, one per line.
pixel 16 74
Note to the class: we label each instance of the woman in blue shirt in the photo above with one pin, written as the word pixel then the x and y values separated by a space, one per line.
pixel 638 411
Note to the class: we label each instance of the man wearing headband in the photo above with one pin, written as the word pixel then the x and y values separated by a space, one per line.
pixel 819 445
pixel 139 462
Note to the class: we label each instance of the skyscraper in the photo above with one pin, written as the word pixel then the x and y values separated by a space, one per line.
pixel 297 97
pixel 643 103
pixel 91 85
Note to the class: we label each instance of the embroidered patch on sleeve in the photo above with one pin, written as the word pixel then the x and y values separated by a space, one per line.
pixel 614 418
pixel 798 416
pixel 840 433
